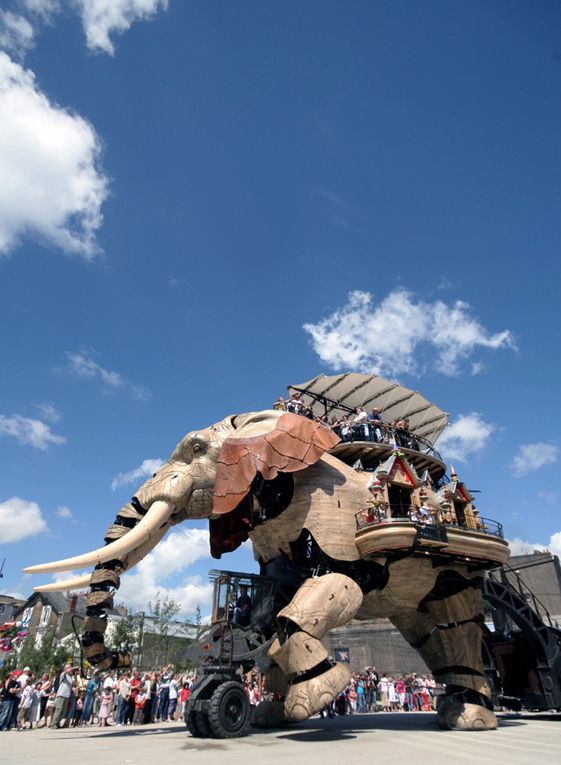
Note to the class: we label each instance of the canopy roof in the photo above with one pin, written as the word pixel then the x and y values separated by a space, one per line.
pixel 339 395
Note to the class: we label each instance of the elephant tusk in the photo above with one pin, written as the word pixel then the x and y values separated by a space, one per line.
pixel 145 530
pixel 77 583
pixel 135 556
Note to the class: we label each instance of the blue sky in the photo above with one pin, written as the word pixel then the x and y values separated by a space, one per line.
pixel 202 202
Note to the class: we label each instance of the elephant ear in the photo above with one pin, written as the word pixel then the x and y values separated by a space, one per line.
pixel 267 444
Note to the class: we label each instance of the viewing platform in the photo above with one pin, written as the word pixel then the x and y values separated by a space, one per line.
pixel 388 434
pixel 482 542
pixel 374 445
pixel 407 420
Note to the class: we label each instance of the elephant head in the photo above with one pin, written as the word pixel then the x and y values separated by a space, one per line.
pixel 208 475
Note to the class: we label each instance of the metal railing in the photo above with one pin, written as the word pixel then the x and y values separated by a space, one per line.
pixel 376 433
pixel 384 434
pixel 399 514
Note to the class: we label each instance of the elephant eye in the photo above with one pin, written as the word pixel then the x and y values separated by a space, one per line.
pixel 196 448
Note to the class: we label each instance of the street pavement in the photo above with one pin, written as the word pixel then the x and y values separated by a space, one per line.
pixel 407 738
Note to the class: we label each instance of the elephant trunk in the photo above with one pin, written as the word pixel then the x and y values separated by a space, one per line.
pixel 105 579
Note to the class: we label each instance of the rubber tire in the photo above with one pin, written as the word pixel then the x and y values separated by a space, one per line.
pixel 198 725
pixel 191 723
pixel 229 710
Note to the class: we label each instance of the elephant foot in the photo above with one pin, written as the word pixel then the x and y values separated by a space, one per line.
pixel 307 697
pixel 455 714
pixel 269 714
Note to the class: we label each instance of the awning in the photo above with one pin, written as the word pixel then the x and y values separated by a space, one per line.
pixel 338 395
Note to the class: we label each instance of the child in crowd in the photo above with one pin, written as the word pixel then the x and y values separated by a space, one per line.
pixel 103 713
pixel 139 708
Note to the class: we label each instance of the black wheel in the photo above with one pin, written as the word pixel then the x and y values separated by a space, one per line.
pixel 198 725
pixel 191 723
pixel 228 710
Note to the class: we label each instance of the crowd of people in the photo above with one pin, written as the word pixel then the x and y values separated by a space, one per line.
pixel 129 697
pixel 371 691
pixel 356 426
pixel 66 698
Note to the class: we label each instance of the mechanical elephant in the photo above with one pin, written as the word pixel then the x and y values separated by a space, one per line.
pixel 269 476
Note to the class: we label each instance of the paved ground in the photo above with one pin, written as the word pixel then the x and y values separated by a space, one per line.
pixel 380 738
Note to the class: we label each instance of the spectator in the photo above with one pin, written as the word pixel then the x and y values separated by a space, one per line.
pixel 172 698
pixel 360 427
pixel 62 698
pixel 184 697
pixel 376 425
pixel 106 700
pixel 26 700
pixel 92 688
pixel 9 698
pixel 163 690
pixel 34 714
pixel 123 697
pixel 139 703
pixel 295 403
pixel 135 684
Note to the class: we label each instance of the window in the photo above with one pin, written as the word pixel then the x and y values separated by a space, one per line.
pixel 45 616
pixel 26 618
pixel 400 500
pixel 460 509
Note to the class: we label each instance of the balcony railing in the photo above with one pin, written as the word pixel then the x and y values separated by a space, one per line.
pixel 398 514
pixel 384 434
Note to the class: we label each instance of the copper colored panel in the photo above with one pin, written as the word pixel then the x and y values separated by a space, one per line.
pixel 294 444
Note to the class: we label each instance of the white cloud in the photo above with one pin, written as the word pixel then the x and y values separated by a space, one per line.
pixel 52 186
pixel 550 497
pixel 82 365
pixel 103 18
pixel 16 33
pixel 20 519
pixel 390 338
pixel 64 512
pixel 171 558
pixel 520 547
pixel 44 9
pixel 49 412
pixel 29 432
pixel 467 435
pixel 532 457
pixel 477 367
pixel 146 469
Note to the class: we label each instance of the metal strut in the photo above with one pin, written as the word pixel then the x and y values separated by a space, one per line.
pixel 545 640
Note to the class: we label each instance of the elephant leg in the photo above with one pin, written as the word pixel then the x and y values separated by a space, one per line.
pixel 448 636
pixel 270 713
pixel 318 606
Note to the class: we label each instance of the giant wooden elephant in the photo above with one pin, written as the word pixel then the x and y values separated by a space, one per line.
pixel 270 476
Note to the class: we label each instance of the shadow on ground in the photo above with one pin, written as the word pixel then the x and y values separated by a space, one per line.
pixel 348 726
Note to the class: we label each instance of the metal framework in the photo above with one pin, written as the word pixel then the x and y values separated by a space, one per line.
pixel 341 394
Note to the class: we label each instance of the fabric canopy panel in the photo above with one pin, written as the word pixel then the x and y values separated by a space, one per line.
pixel 340 394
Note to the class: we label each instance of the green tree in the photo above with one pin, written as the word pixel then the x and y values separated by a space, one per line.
pixel 163 613
pixel 8 665
pixel 126 634
pixel 44 655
